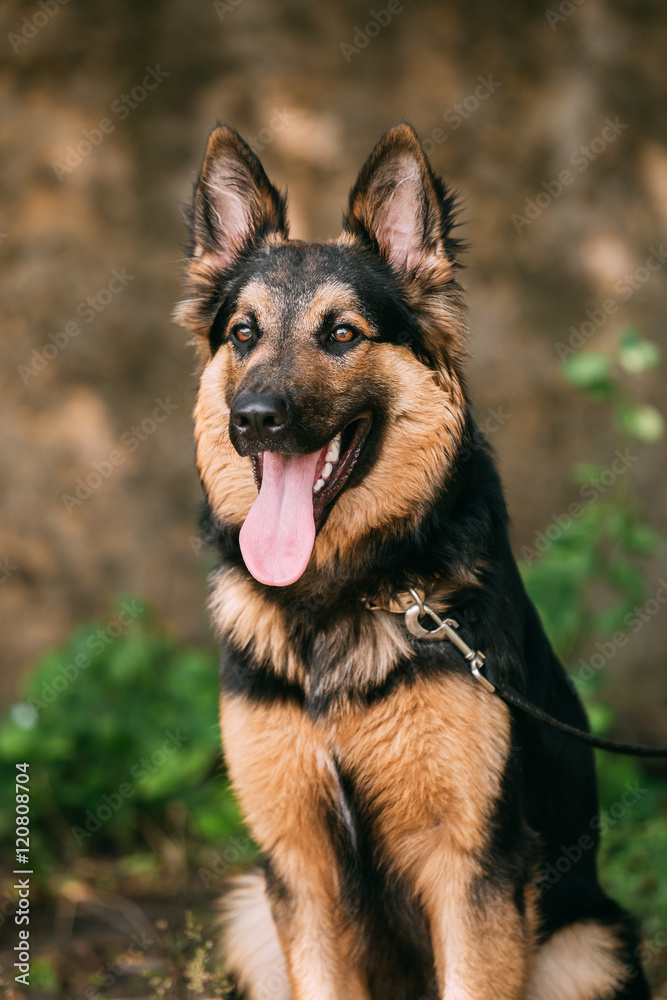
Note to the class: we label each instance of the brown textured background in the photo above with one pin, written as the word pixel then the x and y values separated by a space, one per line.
pixel 61 239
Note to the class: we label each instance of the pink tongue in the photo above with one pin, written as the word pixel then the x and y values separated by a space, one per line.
pixel 279 531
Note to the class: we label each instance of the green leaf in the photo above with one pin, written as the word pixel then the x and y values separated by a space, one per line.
pixel 629 337
pixel 588 370
pixel 583 472
pixel 15 742
pixel 600 718
pixel 639 356
pixel 43 975
pixel 626 578
pixel 643 422
pixel 641 538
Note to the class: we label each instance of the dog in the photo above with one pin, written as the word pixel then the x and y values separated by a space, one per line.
pixel 405 814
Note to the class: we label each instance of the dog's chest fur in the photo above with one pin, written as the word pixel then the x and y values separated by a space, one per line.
pixel 388 782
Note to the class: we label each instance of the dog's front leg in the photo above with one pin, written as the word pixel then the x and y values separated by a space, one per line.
pixel 316 940
pixel 481 942
pixel 282 771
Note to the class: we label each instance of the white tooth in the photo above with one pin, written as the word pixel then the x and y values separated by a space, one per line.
pixel 327 470
pixel 318 486
pixel 333 453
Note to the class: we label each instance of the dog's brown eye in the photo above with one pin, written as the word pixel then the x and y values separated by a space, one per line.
pixel 343 335
pixel 242 333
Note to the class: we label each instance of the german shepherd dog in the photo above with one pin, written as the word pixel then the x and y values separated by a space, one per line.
pixel 406 815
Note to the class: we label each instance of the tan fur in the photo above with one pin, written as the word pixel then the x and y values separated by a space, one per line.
pixel 410 753
pixel 578 963
pixel 227 476
pixel 481 953
pixel 365 645
pixel 423 433
pixel 363 650
pixel 409 756
pixel 442 316
pixel 281 768
pixel 193 312
pixel 196 311
pixel 242 613
pixel 370 644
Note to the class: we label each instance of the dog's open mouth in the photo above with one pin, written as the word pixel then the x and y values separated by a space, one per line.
pixel 334 465
pixel 278 535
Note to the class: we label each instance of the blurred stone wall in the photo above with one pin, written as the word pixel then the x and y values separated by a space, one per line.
pixel 106 107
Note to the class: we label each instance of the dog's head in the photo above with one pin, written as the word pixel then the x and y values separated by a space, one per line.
pixel 331 378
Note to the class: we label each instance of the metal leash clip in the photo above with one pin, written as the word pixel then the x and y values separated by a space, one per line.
pixel 444 630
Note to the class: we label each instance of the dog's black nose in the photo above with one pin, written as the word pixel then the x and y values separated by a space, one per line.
pixel 259 416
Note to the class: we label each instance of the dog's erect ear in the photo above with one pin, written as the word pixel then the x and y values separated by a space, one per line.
pixel 401 209
pixel 235 203
pixel 398 203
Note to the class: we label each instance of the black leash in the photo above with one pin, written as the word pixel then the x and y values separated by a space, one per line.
pixel 512 697
pixel 412 604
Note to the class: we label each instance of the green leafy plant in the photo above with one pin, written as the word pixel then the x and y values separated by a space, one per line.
pixel 122 738
pixel 585 570
pixel 586 573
